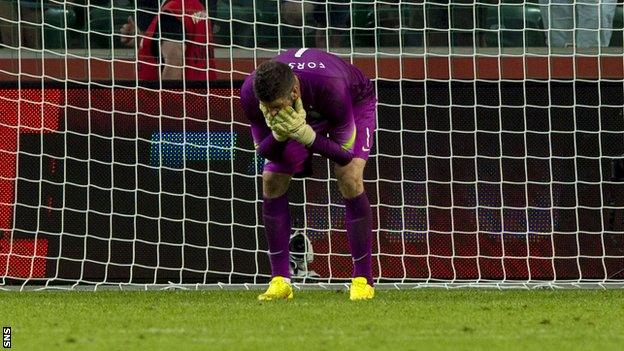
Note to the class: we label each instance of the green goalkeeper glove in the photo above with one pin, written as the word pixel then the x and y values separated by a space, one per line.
pixel 270 121
pixel 293 123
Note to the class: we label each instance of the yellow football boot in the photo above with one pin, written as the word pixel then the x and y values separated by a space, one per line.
pixel 278 289
pixel 360 290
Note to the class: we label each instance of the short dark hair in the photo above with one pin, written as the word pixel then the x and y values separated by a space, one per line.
pixel 273 80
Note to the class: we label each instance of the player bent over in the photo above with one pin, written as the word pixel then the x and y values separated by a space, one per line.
pixel 303 102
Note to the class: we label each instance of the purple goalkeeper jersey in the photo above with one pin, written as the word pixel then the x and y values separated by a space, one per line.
pixel 330 88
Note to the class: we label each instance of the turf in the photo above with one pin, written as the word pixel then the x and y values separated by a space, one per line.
pixel 423 319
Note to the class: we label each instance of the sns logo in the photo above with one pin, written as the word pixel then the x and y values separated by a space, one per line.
pixel 6 337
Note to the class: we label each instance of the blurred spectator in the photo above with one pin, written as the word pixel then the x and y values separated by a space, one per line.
pixel 29 18
pixel 593 18
pixel 147 9
pixel 8 30
pixel 173 46
pixel 297 12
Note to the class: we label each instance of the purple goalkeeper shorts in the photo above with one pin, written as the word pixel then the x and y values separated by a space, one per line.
pixel 298 157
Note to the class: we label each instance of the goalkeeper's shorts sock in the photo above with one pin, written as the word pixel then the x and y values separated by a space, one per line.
pixel 359 218
pixel 276 216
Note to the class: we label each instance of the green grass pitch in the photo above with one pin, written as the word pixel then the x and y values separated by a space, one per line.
pixel 422 319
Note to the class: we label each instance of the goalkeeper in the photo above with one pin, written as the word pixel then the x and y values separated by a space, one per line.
pixel 303 102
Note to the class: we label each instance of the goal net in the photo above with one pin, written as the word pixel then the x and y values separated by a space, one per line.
pixel 498 158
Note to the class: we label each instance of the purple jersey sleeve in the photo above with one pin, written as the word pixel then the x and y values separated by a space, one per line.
pixel 250 104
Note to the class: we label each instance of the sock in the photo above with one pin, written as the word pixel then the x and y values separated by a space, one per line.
pixel 276 216
pixel 359 221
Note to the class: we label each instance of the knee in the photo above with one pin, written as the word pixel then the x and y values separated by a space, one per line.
pixel 350 184
pixel 274 184
pixel 351 178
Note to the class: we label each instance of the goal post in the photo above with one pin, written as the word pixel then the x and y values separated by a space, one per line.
pixel 498 158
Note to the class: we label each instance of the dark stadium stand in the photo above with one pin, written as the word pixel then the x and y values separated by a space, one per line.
pixel 97 20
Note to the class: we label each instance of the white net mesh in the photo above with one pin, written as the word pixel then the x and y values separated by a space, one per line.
pixel 499 154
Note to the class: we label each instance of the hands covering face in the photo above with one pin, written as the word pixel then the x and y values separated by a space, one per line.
pixel 289 123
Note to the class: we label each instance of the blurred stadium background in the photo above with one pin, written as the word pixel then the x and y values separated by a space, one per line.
pixel 498 159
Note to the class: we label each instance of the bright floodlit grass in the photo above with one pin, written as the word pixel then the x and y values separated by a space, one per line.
pixel 423 319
